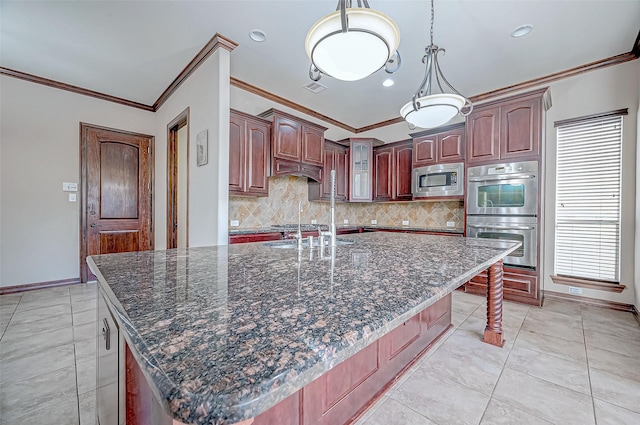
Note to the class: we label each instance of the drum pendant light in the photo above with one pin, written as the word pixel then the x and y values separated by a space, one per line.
pixel 353 43
pixel 432 108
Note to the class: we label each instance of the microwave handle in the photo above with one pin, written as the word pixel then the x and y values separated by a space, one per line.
pixel 501 177
pixel 501 227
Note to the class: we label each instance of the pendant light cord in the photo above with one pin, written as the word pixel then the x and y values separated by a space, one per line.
pixel 432 14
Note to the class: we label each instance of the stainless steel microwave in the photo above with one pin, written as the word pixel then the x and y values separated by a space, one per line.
pixel 438 180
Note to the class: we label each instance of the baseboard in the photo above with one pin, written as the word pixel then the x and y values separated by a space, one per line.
pixel 39 285
pixel 613 305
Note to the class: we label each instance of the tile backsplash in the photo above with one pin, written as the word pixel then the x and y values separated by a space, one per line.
pixel 285 193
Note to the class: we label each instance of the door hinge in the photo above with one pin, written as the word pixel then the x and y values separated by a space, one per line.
pixel 149 149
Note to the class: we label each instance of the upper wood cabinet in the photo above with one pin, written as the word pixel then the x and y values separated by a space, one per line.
pixel 335 158
pixel 505 130
pixel 360 170
pixel 445 146
pixel 297 145
pixel 249 140
pixel 392 172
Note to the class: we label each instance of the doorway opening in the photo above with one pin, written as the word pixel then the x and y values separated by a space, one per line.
pixel 178 181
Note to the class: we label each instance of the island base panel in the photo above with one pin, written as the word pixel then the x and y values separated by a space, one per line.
pixel 345 392
pixel 493 331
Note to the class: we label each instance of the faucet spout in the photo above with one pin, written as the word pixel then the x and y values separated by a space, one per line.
pixel 332 209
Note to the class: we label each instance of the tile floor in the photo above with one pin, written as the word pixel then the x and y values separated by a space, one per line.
pixel 562 364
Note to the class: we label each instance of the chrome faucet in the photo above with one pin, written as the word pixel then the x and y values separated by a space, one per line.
pixel 298 235
pixel 332 214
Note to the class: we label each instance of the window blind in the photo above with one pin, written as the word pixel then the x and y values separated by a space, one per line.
pixel 588 199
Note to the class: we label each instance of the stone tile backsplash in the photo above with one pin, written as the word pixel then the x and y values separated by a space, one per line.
pixel 285 193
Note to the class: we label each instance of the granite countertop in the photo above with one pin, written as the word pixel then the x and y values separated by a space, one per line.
pixel 224 333
pixel 310 227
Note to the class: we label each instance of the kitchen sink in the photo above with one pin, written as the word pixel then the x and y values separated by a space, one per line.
pixel 292 243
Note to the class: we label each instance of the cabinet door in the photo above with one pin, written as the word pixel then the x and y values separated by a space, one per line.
pixel 341 162
pixel 312 146
pixel 360 174
pixel 402 170
pixel 520 129
pixel 424 150
pixel 451 146
pixel 236 155
pixel 257 159
pixel 383 174
pixel 483 132
pixel 286 139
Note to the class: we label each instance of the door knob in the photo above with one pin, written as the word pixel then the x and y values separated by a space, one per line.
pixel 92 225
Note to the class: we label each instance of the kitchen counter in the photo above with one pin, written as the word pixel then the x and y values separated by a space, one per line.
pixel 224 333
pixel 286 228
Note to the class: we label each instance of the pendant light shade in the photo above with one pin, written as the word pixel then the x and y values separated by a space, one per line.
pixel 431 105
pixel 352 43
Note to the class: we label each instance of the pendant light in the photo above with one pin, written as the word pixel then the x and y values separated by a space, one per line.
pixel 353 43
pixel 431 106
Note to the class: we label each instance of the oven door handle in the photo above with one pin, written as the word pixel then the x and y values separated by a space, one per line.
pixel 501 177
pixel 501 227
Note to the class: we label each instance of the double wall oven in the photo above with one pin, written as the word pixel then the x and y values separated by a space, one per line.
pixel 502 203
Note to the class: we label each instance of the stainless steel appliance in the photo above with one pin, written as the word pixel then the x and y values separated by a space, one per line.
pixel 503 189
pixel 438 180
pixel 502 203
pixel 513 228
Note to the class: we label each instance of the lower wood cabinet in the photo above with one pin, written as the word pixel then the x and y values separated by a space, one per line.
pixel 255 237
pixel 520 285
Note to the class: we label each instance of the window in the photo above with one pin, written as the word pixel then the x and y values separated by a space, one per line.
pixel 588 198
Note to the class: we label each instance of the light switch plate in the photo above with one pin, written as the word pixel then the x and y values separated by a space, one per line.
pixel 374 221
pixel 69 187
pixel 451 224
pixel 72 197
pixel 346 221
pixel 235 223
pixel 405 222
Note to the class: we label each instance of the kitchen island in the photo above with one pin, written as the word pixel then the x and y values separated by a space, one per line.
pixel 225 334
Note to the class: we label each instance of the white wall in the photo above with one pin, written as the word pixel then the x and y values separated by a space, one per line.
pixel 39 149
pixel 206 94
pixel 597 91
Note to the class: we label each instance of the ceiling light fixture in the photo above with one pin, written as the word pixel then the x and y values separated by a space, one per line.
pixel 257 35
pixel 428 109
pixel 352 43
pixel 522 30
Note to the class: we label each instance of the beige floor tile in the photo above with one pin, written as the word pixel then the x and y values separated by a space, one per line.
pixel 45 293
pixel 622 392
pixel 87 403
pixel 85 350
pixel 618 364
pixel 37 303
pixel 499 413
pixel 556 318
pixel 35 344
pixel 83 305
pixel 20 368
pixel 86 331
pixel 478 321
pixel 441 400
pixel 609 414
pixel 558 347
pixel 43 391
pixel 621 330
pixel 44 313
pixel 607 315
pixel 471 341
pixel 569 374
pixel 371 410
pixel 564 307
pixel 86 376
pixel 393 412
pixel 10 299
pixel 63 413
pixel 464 305
pixel 553 328
pixel 458 318
pixel 23 330
pixel 605 341
pixel 83 317
pixel 543 399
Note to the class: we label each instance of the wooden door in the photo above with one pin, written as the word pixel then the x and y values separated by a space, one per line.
pixel 117 176
pixel 383 174
pixel 520 129
pixel 403 157
pixel 256 149
pixel 483 132
pixel 451 146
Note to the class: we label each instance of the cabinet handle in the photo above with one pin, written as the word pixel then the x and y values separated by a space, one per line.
pixel 106 333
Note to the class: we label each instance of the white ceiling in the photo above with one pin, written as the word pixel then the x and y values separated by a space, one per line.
pixel 135 49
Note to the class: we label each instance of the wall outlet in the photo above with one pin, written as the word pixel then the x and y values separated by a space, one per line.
pixel 451 224
pixel 374 221
pixel 346 221
pixel 405 222
pixel 575 291
pixel 314 221
pixel 235 223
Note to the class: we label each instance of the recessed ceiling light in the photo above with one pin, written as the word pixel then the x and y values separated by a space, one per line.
pixel 388 82
pixel 522 30
pixel 257 35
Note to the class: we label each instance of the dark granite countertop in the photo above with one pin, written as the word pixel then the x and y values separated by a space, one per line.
pixel 224 333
